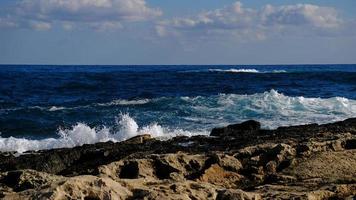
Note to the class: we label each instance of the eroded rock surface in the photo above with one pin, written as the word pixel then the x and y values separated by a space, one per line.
pixel 240 161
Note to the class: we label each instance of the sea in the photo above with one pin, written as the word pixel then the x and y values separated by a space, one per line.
pixel 47 106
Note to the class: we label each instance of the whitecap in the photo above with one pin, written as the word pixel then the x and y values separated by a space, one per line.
pixel 81 134
pixel 271 108
pixel 278 71
pixel 55 108
pixel 274 109
pixel 124 102
pixel 235 70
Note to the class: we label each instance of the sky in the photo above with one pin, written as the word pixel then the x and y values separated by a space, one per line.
pixel 164 32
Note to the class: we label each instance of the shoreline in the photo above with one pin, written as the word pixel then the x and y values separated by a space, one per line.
pixel 240 160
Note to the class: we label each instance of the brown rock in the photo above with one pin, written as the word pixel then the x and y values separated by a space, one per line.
pixel 139 139
pixel 236 194
pixel 218 176
pixel 271 167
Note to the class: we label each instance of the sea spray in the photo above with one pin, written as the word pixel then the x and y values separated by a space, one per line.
pixel 192 116
pixel 81 134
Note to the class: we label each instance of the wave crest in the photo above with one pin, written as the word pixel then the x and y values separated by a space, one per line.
pixel 246 71
pixel 124 102
pixel 235 70
pixel 272 108
pixel 197 115
pixel 81 134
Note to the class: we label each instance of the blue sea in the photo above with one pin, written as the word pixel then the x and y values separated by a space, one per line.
pixel 44 107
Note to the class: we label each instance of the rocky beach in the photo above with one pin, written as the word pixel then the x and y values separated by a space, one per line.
pixel 240 161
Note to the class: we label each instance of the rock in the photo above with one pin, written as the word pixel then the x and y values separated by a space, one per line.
pixel 227 162
pixel 303 150
pixel 84 187
pixel 129 170
pixel 139 139
pixel 337 145
pixel 271 167
pixel 26 179
pixel 281 179
pixel 250 126
pixel 299 162
pixel 329 166
pixel 237 195
pixel 81 187
pixel 218 176
pixel 350 144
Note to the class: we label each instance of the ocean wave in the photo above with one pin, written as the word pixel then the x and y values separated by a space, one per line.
pixel 235 70
pixel 116 102
pixel 55 108
pixel 272 109
pixel 81 134
pixel 195 115
pixel 124 102
pixel 278 71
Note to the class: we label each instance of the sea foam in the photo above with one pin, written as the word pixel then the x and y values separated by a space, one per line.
pixel 200 115
pixel 232 70
pixel 271 108
pixel 235 70
pixel 81 134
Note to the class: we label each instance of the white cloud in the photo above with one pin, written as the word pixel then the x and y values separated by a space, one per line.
pixel 301 14
pixel 41 26
pixel 7 22
pixel 42 14
pixel 236 20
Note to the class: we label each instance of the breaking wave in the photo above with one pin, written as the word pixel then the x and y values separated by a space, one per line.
pixel 193 116
pixel 246 71
pixel 235 70
pixel 272 109
pixel 124 102
pixel 81 134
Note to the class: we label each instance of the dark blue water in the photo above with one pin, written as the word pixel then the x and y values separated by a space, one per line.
pixel 38 102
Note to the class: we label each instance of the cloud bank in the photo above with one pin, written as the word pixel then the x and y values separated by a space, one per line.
pixel 98 14
pixel 238 20
pixel 235 20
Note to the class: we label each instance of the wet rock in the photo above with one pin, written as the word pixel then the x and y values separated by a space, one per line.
pixel 250 126
pixel 350 144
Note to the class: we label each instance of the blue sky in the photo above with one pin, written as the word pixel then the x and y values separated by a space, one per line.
pixel 177 32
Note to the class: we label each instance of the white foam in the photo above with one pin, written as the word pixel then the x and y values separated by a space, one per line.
pixel 81 134
pixel 55 108
pixel 246 71
pixel 235 70
pixel 124 102
pixel 278 71
pixel 272 109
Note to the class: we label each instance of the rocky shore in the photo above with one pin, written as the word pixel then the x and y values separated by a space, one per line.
pixel 240 161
